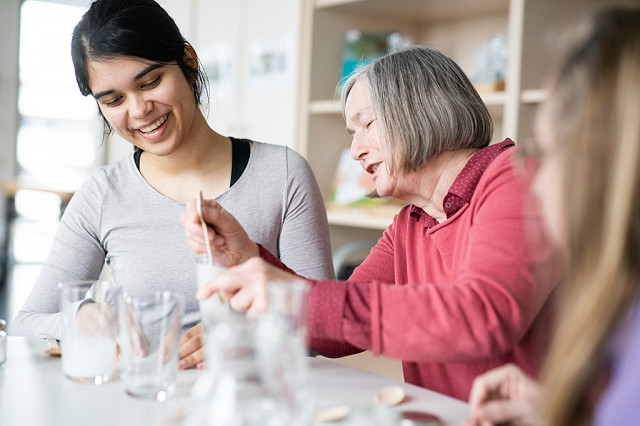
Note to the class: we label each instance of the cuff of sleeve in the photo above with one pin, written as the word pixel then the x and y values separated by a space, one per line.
pixel 326 309
pixel 268 257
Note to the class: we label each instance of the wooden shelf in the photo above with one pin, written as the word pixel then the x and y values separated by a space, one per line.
pixel 11 187
pixel 533 96
pixel 423 11
pixel 495 98
pixel 319 4
pixel 334 107
pixel 325 107
pixel 368 218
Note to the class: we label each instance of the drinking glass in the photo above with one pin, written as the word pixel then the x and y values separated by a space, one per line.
pixel 150 328
pixel 214 309
pixel 89 330
pixel 238 388
pixel 3 342
pixel 3 346
pixel 283 340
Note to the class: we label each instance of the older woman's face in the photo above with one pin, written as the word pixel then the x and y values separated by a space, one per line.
pixel 548 185
pixel 362 125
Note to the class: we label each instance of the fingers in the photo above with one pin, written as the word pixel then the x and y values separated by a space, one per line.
pixel 492 384
pixel 191 351
pixel 504 394
pixel 245 285
pixel 194 233
pixel 195 358
pixel 214 214
pixel 251 298
pixel 503 411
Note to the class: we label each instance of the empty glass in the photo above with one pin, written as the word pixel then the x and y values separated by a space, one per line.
pixel 150 330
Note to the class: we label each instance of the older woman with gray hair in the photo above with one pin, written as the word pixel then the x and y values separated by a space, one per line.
pixel 452 287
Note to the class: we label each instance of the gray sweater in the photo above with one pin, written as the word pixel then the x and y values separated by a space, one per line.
pixel 116 215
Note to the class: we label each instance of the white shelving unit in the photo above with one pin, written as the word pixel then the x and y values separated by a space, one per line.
pixel 457 28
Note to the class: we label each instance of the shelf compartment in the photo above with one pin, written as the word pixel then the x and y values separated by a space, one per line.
pixel 325 107
pixel 533 96
pixel 423 11
pixel 378 217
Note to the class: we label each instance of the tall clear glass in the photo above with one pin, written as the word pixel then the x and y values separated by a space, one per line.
pixel 89 330
pixel 150 329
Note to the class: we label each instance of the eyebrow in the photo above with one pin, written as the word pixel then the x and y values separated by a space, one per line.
pixel 141 74
pixel 355 117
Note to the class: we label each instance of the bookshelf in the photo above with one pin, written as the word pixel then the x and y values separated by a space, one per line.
pixel 456 27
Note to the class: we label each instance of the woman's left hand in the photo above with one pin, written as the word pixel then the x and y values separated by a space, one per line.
pixel 505 395
pixel 191 351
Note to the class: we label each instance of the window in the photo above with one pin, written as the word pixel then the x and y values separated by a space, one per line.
pixel 59 139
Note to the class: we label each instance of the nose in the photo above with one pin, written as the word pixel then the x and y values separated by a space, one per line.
pixel 359 147
pixel 139 107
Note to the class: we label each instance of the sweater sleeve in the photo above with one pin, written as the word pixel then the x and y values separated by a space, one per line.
pixel 497 293
pixel 76 254
pixel 304 238
pixel 618 404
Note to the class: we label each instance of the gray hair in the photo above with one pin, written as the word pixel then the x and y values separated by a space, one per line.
pixel 425 104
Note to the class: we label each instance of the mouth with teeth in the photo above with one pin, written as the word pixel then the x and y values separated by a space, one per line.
pixel 372 168
pixel 159 122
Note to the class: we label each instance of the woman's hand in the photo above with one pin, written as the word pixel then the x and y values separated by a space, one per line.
pixel 226 236
pixel 245 285
pixel 95 319
pixel 505 394
pixel 191 350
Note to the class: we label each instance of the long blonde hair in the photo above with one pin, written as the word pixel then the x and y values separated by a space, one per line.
pixel 595 104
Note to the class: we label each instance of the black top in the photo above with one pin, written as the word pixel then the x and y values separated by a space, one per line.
pixel 240 152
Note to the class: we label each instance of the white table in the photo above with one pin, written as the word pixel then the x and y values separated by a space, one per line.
pixel 34 392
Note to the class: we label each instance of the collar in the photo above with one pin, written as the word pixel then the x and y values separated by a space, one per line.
pixel 464 186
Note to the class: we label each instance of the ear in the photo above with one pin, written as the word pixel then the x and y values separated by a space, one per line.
pixel 190 57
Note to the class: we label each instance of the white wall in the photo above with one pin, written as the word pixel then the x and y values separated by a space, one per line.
pixel 242 105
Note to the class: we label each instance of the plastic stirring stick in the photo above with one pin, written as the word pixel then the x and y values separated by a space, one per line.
pixel 206 234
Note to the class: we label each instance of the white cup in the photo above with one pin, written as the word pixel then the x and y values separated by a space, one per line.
pixel 150 329
pixel 89 330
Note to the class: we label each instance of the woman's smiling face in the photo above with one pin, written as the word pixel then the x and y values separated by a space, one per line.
pixel 150 105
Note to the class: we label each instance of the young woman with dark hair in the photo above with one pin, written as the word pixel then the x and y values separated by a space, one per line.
pixel 149 86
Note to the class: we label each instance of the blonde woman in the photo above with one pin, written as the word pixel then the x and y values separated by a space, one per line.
pixel 589 184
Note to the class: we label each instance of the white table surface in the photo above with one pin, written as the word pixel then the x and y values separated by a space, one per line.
pixel 33 392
